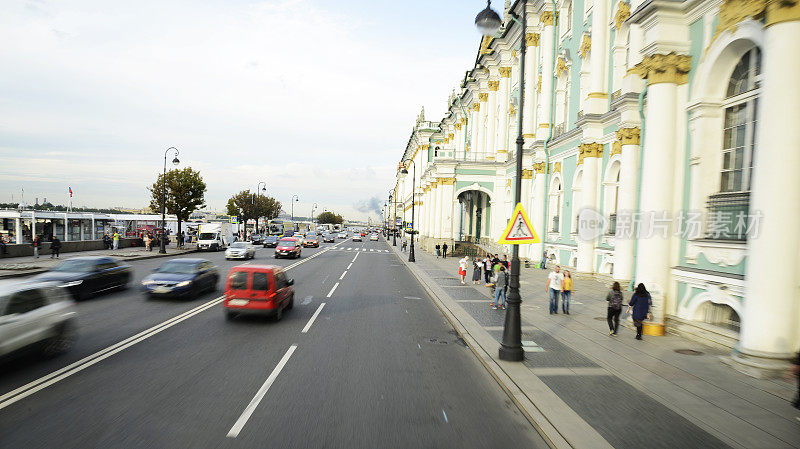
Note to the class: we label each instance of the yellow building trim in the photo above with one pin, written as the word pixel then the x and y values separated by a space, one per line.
pixel 659 68
pixel 532 39
pixel 505 72
pixel 483 96
pixel 527 174
pixel 628 136
pixel 600 95
pixel 494 86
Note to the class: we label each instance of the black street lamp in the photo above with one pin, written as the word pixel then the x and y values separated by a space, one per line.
pixel 394 220
pixel 294 199
pixel 163 240
pixel 413 197
pixel 313 208
pixel 488 22
pixel 253 201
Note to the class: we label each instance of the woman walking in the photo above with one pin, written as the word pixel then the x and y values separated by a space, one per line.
pixel 476 270
pixel 462 269
pixel 566 292
pixel 500 282
pixel 640 302
pixel 614 299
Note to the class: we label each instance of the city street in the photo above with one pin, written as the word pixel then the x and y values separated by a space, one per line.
pixel 364 359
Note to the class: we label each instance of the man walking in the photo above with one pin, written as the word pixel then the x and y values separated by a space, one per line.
pixel 543 264
pixel 444 251
pixel 55 247
pixel 553 286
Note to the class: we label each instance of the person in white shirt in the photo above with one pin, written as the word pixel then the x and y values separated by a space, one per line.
pixel 462 269
pixel 554 286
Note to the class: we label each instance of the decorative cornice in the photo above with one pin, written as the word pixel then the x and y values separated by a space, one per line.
pixel 485 50
pixel 623 12
pixel 494 86
pixel 628 136
pixel 505 72
pixel 586 45
pixel 539 167
pixel 483 96
pixel 532 39
pixel 546 18
pixel 658 68
pixel 527 174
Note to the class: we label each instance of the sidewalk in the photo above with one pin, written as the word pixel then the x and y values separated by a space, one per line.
pixel 583 388
pixel 27 265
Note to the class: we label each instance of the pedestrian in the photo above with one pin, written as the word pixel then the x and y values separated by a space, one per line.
pixel 476 270
pixel 553 286
pixel 55 247
pixel 566 292
pixel 495 260
pixel 640 302
pixel 147 241
pixel 505 262
pixel 3 248
pixel 614 299
pixel 403 246
pixel 462 268
pixel 543 264
pixel 487 269
pixel 180 239
pixel 116 240
pixel 444 251
pixel 106 241
pixel 438 250
pixel 500 283
pixel 36 243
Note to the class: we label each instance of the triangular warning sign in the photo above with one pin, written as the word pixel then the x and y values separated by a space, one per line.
pixel 519 229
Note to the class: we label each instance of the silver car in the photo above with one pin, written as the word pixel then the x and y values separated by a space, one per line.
pixel 240 250
pixel 37 314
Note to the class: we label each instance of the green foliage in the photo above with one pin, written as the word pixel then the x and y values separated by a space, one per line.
pixel 329 218
pixel 185 190
pixel 248 206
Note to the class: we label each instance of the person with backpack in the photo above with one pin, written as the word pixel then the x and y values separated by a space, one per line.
pixel 438 250
pixel 614 299
pixel 640 303
pixel 500 281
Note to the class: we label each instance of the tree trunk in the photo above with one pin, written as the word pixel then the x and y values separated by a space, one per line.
pixel 179 231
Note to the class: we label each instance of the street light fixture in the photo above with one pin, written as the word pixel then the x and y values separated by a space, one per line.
pixel 294 199
pixel 488 22
pixel 413 198
pixel 163 240
pixel 394 220
pixel 253 200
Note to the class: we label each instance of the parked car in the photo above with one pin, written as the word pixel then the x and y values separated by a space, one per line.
pixel 288 247
pixel 182 278
pixel 258 289
pixel 270 241
pixel 357 237
pixel 256 239
pixel 37 315
pixel 328 238
pixel 373 237
pixel 240 250
pixel 311 241
pixel 87 276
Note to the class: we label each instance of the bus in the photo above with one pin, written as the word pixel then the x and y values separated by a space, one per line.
pixel 279 227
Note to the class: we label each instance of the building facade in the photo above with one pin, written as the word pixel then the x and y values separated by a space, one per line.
pixel 661 146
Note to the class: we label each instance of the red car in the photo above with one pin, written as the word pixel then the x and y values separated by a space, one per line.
pixel 259 290
pixel 288 247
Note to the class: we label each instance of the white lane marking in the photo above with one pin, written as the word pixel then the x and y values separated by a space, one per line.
pixel 313 317
pixel 56 376
pixel 420 347
pixel 354 258
pixel 342 276
pixel 351 264
pixel 251 407
pixel 370 250
pixel 363 249
pixel 332 290
pixel 349 249
pixel 411 297
pixel 307 300
pixel 445 416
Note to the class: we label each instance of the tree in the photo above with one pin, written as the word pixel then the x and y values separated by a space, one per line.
pixel 329 217
pixel 248 206
pixel 185 190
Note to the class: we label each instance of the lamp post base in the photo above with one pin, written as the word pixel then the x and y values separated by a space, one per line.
pixel 511 354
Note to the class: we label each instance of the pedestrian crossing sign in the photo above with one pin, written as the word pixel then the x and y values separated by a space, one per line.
pixel 234 219
pixel 519 229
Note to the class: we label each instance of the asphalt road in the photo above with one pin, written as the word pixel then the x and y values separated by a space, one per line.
pixel 376 366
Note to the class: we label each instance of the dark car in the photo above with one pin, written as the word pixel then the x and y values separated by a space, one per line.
pixel 288 247
pixel 328 238
pixel 271 241
pixel 258 289
pixel 311 240
pixel 256 239
pixel 89 275
pixel 181 278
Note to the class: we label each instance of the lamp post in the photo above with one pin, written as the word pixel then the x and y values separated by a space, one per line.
pixel 394 219
pixel 293 200
pixel 253 201
pixel 488 22
pixel 413 197
pixel 385 215
pixel 313 208
pixel 163 240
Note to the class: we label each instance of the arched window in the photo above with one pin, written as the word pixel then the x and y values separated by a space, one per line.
pixel 739 139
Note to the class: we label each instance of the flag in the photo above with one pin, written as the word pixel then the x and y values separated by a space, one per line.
pixel 70 191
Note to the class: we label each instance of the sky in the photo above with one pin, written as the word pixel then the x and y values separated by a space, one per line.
pixel 317 98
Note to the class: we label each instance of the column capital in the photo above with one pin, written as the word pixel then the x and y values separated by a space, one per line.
pixel 532 39
pixel 586 45
pixel 494 86
pixel 539 167
pixel 476 106
pixel 658 68
pixel 458 126
pixel 505 72
pixel 628 136
pixel 546 18
pixel 779 11
pixel 451 135
pixel 589 150
pixel 527 174
pixel 483 96
pixel 447 181
pixel 623 12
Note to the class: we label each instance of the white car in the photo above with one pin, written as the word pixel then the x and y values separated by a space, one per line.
pixel 357 237
pixel 240 250
pixel 36 313
pixel 342 235
pixel 373 237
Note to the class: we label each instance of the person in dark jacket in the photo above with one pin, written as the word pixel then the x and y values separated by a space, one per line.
pixel 640 303
pixel 500 281
pixel 614 299
pixel 444 251
pixel 106 241
pixel 438 248
pixel 477 264
pixel 55 247
pixel 796 370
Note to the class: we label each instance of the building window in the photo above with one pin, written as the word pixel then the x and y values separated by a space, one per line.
pixel 565 18
pixel 556 200
pixel 729 209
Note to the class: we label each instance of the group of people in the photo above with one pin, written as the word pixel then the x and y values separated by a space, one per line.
pixel 55 246
pixel 559 285
pixel 441 250
pixel 112 241
pixel 495 276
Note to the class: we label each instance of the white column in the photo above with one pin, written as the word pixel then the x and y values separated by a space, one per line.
pixel 531 80
pixel 491 119
pixel 93 233
pixel 591 154
pixel 537 210
pixel 481 148
pixel 502 127
pixel 18 230
pixel 770 330
pixel 66 228
pixel 547 76
pixel 439 212
pixel 598 96
pixel 455 221
pixel 474 130
pixel 628 182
